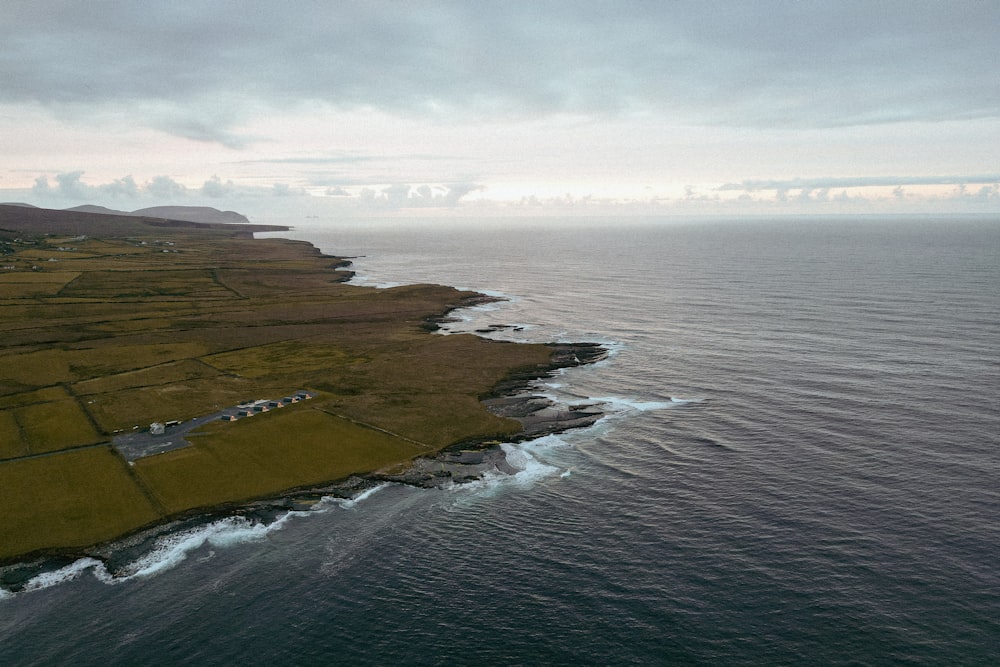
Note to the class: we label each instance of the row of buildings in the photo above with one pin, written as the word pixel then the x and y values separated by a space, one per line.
pixel 245 409
pixel 256 407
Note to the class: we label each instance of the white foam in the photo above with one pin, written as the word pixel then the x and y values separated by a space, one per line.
pixel 63 574
pixel 497 295
pixel 469 314
pixel 171 550
pixel 350 503
pixel 684 401
pixel 612 347
pixel 621 405
pixel 524 459
pixel 364 280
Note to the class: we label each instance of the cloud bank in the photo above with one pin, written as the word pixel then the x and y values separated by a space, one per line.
pixel 549 104
pixel 200 68
pixel 68 188
pixel 856 182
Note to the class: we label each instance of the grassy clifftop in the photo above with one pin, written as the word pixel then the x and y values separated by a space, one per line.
pixel 109 323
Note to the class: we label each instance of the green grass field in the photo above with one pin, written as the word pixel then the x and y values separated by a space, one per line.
pixel 12 443
pixel 136 324
pixel 72 499
pixel 261 456
pixel 50 427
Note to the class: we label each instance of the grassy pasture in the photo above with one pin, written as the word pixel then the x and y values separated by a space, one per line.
pixel 23 420
pixel 262 455
pixel 91 247
pixel 24 284
pixel 45 395
pixel 177 372
pixel 72 499
pixel 10 291
pixel 278 358
pixel 44 254
pixel 65 255
pixel 106 359
pixel 37 369
pixel 133 325
pixel 36 277
pixel 133 334
pixel 47 367
pixel 174 400
pixel 11 442
pixel 146 283
pixel 49 427
pixel 437 420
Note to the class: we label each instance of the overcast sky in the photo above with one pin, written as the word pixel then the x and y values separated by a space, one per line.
pixel 355 108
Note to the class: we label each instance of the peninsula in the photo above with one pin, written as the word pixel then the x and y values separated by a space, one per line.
pixel 115 325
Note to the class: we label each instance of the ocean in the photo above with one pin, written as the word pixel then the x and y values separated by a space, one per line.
pixel 799 465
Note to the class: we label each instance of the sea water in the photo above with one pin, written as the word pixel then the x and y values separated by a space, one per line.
pixel 799 465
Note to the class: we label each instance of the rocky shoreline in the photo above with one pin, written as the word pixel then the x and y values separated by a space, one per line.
pixel 514 397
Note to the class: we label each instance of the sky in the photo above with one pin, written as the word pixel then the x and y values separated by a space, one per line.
pixel 333 109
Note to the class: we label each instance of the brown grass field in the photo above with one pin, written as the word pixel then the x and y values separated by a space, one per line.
pixel 144 320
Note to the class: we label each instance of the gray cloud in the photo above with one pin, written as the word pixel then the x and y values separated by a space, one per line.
pixel 856 182
pixel 315 160
pixel 121 187
pixel 68 186
pixel 202 130
pixel 401 196
pixel 285 190
pixel 216 188
pixel 204 66
pixel 165 188
pixel 346 158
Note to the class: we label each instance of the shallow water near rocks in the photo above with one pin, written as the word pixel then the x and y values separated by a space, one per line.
pixel 799 464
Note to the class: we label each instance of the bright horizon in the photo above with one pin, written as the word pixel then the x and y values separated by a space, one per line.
pixel 437 109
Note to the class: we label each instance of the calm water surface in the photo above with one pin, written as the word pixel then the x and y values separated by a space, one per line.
pixel 800 465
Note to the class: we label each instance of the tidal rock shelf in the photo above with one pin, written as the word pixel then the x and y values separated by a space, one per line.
pixel 515 398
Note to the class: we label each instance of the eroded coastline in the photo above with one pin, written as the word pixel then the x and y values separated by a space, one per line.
pixel 129 556
pixel 514 398
pixel 153 323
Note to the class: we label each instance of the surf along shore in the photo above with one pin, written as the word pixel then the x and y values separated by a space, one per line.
pixel 113 323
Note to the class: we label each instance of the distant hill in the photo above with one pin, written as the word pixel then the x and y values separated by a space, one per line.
pixel 194 214
pixel 189 213
pixel 98 221
pixel 17 203
pixel 90 208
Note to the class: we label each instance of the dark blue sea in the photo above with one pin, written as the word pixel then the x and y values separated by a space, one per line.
pixel 800 464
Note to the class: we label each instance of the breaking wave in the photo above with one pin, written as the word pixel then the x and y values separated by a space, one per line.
pixel 527 466
pixel 350 503
pixel 171 549
pixel 618 405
